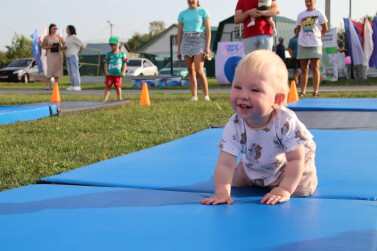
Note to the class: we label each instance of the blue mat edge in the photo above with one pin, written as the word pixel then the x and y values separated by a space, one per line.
pixel 31 112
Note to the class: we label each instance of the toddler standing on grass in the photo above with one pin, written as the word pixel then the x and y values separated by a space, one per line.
pixel 115 68
pixel 277 149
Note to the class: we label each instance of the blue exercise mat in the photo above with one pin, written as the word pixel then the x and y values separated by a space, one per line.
pixel 12 114
pixel 185 164
pixel 347 168
pixel 334 104
pixel 63 217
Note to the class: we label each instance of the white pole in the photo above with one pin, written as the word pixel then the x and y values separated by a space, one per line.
pixel 350 9
pixel 111 28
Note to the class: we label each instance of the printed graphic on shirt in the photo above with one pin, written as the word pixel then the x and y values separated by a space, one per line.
pixel 243 138
pixel 255 151
pixel 308 24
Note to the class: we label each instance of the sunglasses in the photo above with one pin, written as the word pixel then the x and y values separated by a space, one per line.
pixel 54 28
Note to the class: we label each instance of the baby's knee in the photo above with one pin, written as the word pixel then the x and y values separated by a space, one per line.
pixel 306 188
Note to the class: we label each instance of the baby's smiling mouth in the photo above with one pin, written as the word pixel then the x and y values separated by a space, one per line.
pixel 244 106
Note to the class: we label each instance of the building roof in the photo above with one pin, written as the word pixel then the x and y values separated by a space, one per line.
pixel 100 48
pixel 155 38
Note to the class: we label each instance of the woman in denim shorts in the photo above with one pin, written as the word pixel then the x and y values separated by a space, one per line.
pixel 194 38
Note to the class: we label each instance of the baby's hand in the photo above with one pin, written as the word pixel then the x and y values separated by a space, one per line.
pixel 276 195
pixel 217 199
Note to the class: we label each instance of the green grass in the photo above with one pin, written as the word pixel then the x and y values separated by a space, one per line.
pixel 36 149
pixel 212 84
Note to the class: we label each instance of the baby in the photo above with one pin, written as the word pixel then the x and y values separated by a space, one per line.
pixel 264 5
pixel 277 149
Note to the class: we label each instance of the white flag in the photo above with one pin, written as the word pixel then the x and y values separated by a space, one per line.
pixel 368 42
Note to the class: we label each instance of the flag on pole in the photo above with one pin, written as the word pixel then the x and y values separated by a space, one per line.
pixel 36 50
pixel 347 29
pixel 373 57
pixel 367 41
pixel 356 52
pixel 359 30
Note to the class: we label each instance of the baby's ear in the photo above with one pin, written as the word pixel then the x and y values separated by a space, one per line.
pixel 279 99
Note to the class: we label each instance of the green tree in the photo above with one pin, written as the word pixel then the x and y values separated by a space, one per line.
pixel 20 48
pixel 2 59
pixel 156 27
pixel 138 39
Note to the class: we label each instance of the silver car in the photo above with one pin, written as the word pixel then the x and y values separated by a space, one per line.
pixel 22 69
pixel 140 67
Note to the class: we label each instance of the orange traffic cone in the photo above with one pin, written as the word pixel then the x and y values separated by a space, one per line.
pixel 293 96
pixel 55 97
pixel 144 98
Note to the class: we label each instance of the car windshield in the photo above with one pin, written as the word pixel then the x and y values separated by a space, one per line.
pixel 177 64
pixel 20 63
pixel 134 62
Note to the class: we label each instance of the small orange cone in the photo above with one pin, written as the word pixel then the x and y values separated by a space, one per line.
pixel 144 98
pixel 293 96
pixel 55 93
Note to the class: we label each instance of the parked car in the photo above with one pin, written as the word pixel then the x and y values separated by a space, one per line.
pixel 22 69
pixel 179 69
pixel 140 67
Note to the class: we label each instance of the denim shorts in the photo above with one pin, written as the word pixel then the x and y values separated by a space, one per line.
pixel 193 43
pixel 259 42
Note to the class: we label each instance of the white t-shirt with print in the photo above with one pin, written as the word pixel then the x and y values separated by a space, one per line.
pixel 263 151
pixel 310 33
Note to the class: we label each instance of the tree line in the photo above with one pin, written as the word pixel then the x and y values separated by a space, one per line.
pixel 21 46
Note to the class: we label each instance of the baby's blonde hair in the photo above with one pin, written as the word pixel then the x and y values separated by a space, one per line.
pixel 258 60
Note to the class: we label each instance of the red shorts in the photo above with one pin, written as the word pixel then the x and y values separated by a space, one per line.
pixel 113 80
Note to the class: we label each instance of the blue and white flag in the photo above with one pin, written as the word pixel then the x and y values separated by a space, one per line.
pixel 354 44
pixel 36 50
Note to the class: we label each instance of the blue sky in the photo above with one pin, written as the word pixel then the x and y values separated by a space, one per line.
pixel 130 16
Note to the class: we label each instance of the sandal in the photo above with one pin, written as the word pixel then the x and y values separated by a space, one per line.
pixel 302 95
pixel 315 94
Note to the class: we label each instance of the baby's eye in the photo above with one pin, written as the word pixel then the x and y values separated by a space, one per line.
pixel 237 87
pixel 254 90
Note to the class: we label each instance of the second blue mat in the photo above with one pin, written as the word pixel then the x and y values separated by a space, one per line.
pixel 347 168
pixel 334 104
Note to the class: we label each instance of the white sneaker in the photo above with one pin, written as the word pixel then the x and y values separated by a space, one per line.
pixel 194 99
pixel 70 88
pixel 76 88
pixel 206 98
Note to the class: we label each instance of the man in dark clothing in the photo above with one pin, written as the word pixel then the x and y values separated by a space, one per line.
pixel 280 48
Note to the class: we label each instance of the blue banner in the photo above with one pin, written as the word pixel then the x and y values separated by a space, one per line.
pixel 373 57
pixel 36 50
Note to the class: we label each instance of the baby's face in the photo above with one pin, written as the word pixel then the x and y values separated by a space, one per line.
pixel 253 95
